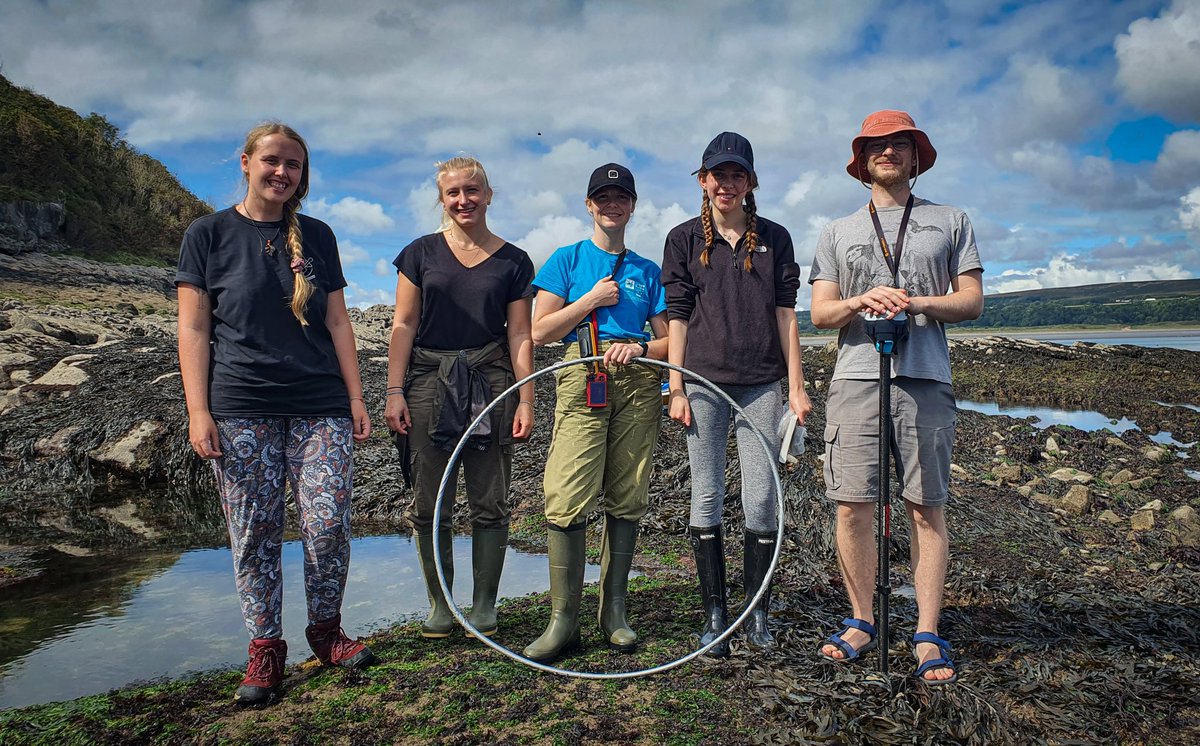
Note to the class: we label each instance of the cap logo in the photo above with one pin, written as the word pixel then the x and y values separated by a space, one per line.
pixel 612 173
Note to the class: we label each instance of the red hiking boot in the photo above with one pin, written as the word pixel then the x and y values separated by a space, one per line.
pixel 333 648
pixel 264 673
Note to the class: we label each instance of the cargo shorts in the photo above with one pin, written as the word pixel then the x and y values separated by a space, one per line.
pixel 923 420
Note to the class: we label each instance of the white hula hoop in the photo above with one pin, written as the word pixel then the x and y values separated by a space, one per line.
pixel 750 605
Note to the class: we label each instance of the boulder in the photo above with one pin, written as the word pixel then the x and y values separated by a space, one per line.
pixel 1143 483
pixel 1007 473
pixel 1143 520
pixel 1183 526
pixel 57 444
pixel 1077 501
pixel 1110 518
pixel 1114 442
pixel 1155 453
pixel 132 451
pixel 1067 474
pixel 1154 505
pixel 1122 477
pixel 1052 445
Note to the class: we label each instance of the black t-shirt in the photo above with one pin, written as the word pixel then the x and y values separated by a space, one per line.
pixel 463 307
pixel 263 362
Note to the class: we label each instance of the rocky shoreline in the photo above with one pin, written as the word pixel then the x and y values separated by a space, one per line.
pixel 1075 554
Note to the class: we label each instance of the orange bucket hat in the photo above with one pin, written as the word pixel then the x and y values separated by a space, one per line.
pixel 885 123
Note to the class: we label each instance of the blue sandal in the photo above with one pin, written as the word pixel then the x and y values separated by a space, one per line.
pixel 933 664
pixel 850 651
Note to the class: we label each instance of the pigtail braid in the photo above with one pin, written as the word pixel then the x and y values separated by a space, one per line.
pixel 751 210
pixel 302 288
pixel 706 221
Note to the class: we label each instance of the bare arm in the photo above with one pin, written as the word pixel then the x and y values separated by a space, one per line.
pixel 678 408
pixel 405 320
pixel 342 333
pixel 789 341
pixel 622 353
pixel 554 318
pixel 195 332
pixel 520 350
pixel 963 304
pixel 831 311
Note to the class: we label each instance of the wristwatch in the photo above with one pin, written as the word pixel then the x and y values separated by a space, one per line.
pixel 645 349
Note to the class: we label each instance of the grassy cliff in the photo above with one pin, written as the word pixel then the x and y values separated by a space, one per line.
pixel 121 205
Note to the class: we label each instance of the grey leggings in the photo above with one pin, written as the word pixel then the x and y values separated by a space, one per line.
pixel 707 440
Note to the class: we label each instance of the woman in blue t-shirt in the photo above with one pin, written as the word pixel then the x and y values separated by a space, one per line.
pixel 274 397
pixel 599 447
pixel 460 335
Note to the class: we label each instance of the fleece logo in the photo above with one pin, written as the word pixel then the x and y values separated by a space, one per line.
pixel 637 289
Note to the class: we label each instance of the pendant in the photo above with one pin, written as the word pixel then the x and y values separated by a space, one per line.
pixel 269 249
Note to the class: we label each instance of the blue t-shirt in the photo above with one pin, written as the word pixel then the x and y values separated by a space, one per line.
pixel 574 270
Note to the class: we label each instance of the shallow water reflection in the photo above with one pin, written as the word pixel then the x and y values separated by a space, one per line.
pixel 167 613
pixel 1045 417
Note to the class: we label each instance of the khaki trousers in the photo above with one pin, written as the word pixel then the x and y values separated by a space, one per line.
pixel 606 448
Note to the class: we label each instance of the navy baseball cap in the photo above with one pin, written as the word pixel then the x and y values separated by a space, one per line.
pixel 611 174
pixel 728 147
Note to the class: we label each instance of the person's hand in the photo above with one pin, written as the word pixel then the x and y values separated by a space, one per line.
pixel 679 409
pixel 523 421
pixel 605 292
pixel 396 414
pixel 883 301
pixel 360 418
pixel 621 353
pixel 799 404
pixel 203 435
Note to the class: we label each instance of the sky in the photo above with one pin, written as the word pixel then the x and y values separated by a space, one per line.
pixel 1068 130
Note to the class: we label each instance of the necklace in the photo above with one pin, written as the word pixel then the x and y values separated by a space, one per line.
pixel 268 248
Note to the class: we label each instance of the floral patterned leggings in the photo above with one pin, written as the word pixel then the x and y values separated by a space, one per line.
pixel 261 456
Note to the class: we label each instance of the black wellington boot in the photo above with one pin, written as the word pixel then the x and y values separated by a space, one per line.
pixel 709 549
pixel 759 549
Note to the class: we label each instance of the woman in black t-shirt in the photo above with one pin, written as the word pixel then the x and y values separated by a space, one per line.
pixel 274 397
pixel 461 335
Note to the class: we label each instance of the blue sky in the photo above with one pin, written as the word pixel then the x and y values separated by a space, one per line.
pixel 1068 130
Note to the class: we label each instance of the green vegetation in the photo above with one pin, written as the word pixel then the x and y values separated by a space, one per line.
pixel 122 205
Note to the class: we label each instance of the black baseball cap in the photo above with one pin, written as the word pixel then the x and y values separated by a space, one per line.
pixel 727 147
pixel 611 174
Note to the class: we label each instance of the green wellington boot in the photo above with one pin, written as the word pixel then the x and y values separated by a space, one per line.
pixel 760 548
pixel 709 548
pixel 440 622
pixel 487 562
pixel 616 556
pixel 566 548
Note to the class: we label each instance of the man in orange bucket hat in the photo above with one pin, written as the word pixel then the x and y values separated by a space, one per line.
pixel 913 265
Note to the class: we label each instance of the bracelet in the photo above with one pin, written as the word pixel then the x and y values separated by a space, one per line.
pixel 394 393
pixel 524 401
pixel 645 349
pixel 358 398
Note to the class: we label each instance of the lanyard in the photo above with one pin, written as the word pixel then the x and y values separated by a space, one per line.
pixel 893 264
pixel 592 332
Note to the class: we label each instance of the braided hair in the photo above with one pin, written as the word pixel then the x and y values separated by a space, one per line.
pixel 302 287
pixel 750 207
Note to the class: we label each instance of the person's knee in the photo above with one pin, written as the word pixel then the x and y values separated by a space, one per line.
pixel 854 515
pixel 927 518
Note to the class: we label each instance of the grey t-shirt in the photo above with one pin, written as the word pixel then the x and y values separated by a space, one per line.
pixel 938 246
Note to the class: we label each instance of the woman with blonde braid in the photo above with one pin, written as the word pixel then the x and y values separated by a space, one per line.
pixel 731 280
pixel 274 397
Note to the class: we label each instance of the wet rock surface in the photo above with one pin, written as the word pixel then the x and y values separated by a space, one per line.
pixel 1071 595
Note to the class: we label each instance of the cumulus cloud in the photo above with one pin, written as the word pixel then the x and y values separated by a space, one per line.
pixel 1158 59
pixel 551 233
pixel 358 296
pixel 1067 270
pixel 1189 213
pixel 1178 163
pixel 352 215
pixel 384 268
pixel 351 253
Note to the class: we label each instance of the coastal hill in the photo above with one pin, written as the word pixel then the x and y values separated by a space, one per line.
pixel 70 183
